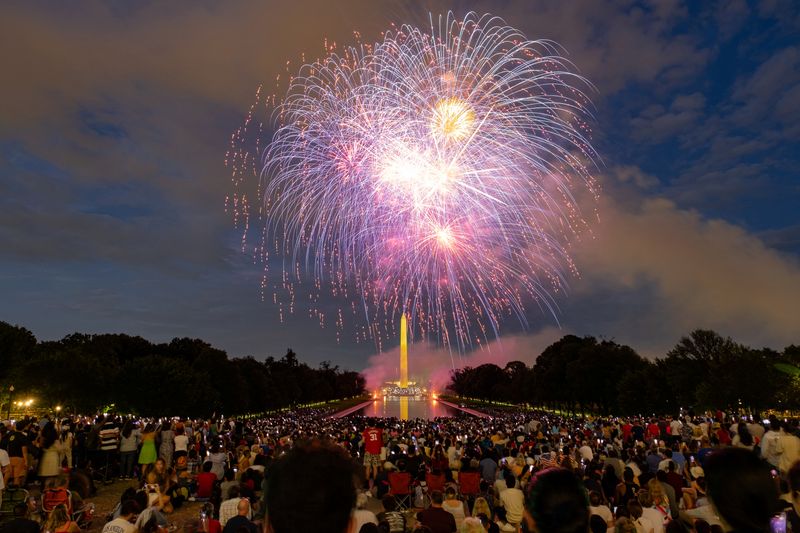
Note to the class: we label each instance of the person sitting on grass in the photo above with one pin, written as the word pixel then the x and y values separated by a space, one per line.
pixel 390 515
pixel 60 522
pixel 241 522
pixel 123 523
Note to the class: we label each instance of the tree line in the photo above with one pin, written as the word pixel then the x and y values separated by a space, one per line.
pixel 185 377
pixel 703 371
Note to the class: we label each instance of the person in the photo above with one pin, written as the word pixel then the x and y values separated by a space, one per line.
pixel 123 524
pixel 373 441
pixel 556 503
pixel 362 515
pixel 128 443
pixel 436 518
pixel 472 525
pixel 513 501
pixel 395 519
pixel 241 522
pixel 310 489
pixel 108 445
pixel 217 458
pixel 481 506
pixel 228 483
pixel 655 516
pixel 147 455
pixel 59 521
pixel 454 506
pixel 50 461
pixel 16 445
pixel 501 521
pixel 643 524
pixel 167 446
pixel 20 523
pixel 181 441
pixel 793 514
pixel 598 508
pixel 205 482
pixel 230 507
pixel 741 489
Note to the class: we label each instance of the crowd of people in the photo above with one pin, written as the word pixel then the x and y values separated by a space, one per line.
pixel 307 471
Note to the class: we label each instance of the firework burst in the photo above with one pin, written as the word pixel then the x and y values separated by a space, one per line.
pixel 432 173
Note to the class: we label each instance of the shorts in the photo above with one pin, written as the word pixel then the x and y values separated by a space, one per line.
pixel 18 467
pixel 372 459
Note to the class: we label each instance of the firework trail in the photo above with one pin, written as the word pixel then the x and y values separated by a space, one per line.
pixel 432 173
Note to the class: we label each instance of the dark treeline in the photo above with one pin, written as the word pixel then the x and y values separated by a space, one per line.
pixel 186 377
pixel 703 371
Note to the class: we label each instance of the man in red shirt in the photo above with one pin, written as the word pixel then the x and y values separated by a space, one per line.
pixel 373 442
pixel 205 481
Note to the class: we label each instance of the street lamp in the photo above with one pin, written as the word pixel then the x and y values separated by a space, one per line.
pixel 10 398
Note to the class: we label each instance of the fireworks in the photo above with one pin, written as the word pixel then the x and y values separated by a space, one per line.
pixel 432 173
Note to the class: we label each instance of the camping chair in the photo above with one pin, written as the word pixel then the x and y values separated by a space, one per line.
pixel 400 488
pixel 469 484
pixel 11 497
pixel 52 498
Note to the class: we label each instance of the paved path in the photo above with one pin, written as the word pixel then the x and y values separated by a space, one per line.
pixel 351 410
pixel 467 410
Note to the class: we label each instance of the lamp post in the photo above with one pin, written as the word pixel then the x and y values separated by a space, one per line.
pixel 10 399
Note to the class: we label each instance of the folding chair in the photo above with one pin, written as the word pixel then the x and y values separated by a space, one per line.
pixel 11 497
pixel 435 482
pixel 400 488
pixel 469 484
pixel 52 498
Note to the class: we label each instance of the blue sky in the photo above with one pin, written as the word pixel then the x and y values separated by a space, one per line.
pixel 116 118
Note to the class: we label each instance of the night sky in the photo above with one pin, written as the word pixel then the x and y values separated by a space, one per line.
pixel 115 118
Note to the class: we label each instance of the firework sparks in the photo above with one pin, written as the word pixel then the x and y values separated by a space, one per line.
pixel 431 173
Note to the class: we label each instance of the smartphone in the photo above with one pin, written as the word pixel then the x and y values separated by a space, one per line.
pixel 778 523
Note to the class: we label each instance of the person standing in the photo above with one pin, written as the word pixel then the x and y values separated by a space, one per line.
pixel 147 455
pixel 50 444
pixel 167 447
pixel 109 445
pixel 17 448
pixel 373 442
pixel 128 443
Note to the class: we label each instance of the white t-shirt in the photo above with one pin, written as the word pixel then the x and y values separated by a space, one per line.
pixel 602 511
pixel 514 502
pixel 675 427
pixel 655 517
pixel 643 525
pixel 361 517
pixel 4 462
pixel 181 443
pixel 119 525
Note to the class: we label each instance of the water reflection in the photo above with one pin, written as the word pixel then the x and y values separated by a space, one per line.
pixel 405 408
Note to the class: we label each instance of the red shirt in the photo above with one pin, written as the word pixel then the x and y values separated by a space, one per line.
pixel 373 440
pixel 205 484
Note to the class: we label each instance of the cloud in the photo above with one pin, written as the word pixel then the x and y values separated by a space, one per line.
pixel 698 272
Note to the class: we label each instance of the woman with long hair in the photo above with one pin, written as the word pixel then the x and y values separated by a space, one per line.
pixel 659 498
pixel 50 444
pixel 481 506
pixel 60 522
pixel 67 438
pixel 128 443
pixel 743 438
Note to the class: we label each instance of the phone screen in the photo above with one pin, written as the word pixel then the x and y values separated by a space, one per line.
pixel 778 523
